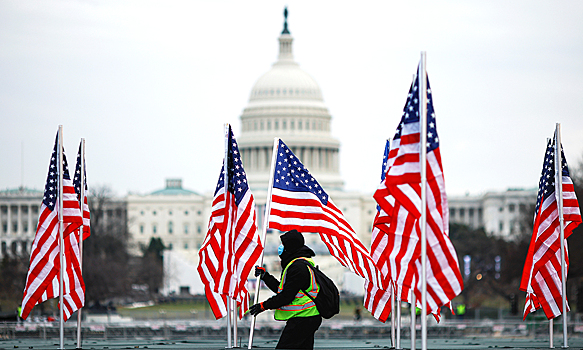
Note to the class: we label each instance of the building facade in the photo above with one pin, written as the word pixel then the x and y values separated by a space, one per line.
pixel 19 213
pixel 504 214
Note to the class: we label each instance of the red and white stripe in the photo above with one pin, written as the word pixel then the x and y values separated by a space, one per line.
pixel 42 282
pixel 542 272
pixel 230 250
pixel 398 235
pixel 305 212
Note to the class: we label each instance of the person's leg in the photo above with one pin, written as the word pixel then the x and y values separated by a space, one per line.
pixel 298 333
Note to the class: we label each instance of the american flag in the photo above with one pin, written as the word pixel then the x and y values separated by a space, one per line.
pixel 299 202
pixel 541 278
pixel 376 300
pixel 399 198
pixel 232 244
pixel 77 185
pixel 42 281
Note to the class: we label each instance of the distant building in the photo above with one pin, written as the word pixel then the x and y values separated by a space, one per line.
pixel 19 213
pixel 176 215
pixel 500 214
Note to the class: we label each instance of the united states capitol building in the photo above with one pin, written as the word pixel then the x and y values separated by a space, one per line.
pixel 285 102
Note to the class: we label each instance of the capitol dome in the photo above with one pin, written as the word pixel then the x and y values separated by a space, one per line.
pixel 286 102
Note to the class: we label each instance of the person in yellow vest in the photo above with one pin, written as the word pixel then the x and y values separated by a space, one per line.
pixel 291 303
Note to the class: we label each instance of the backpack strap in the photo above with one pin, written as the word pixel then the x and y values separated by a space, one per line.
pixel 309 267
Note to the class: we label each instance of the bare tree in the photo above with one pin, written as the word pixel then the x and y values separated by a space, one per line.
pixel 105 256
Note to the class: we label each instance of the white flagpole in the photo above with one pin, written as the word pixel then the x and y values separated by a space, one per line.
pixel 82 202
pixel 559 194
pixel 235 323
pixel 398 306
pixel 423 224
pixel 413 321
pixel 61 240
pixel 226 183
pixel 265 224
pixel 393 344
pixel 551 345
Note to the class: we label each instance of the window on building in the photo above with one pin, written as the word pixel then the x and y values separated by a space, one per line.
pixel 511 208
pixel 522 207
pixel 471 213
pixel 186 212
pixel 185 245
pixel 185 229
pixel 154 212
pixel 154 229
pixel 462 213
pixel 142 228
pixel 14 227
pixel 170 246
pixel 4 228
pixel 452 212
pixel 169 212
pixel 501 209
pixel 284 124
pixel 199 212
pixel 142 212
pixel 276 125
pixel 35 209
pixel 199 228
pixel 299 125
pixel 170 227
pixel 269 125
pixel 501 226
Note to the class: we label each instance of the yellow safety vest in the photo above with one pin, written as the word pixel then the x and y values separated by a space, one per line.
pixel 302 305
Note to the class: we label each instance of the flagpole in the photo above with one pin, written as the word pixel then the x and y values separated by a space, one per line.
pixel 559 186
pixel 61 240
pixel 423 159
pixel 82 202
pixel 265 224
pixel 235 324
pixel 413 321
pixel 392 315
pixel 398 306
pixel 226 182
pixel 551 345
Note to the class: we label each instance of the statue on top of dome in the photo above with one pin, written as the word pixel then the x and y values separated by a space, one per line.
pixel 285 30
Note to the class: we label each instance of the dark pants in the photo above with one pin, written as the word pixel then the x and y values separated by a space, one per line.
pixel 299 333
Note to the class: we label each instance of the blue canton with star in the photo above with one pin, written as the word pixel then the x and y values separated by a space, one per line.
pixel 77 177
pixel 52 185
pixel 546 185
pixel 291 175
pixel 411 114
pixel 238 185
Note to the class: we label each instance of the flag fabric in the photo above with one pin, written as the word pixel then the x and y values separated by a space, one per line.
pixel 541 278
pixel 77 185
pixel 232 244
pixel 376 300
pixel 42 281
pixel 299 202
pixel 397 225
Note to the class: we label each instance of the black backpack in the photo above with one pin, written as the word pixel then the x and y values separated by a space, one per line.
pixel 328 298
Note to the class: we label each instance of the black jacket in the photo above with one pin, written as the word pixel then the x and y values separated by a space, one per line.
pixel 298 278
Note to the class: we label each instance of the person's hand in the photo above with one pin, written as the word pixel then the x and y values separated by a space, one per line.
pixel 256 309
pixel 260 271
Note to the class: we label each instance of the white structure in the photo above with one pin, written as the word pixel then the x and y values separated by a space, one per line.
pixel 176 215
pixel 286 102
pixel 19 213
pixel 501 214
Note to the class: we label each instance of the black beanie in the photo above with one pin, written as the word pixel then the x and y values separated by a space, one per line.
pixel 292 241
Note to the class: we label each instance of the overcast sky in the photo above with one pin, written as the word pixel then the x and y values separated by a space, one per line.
pixel 149 85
